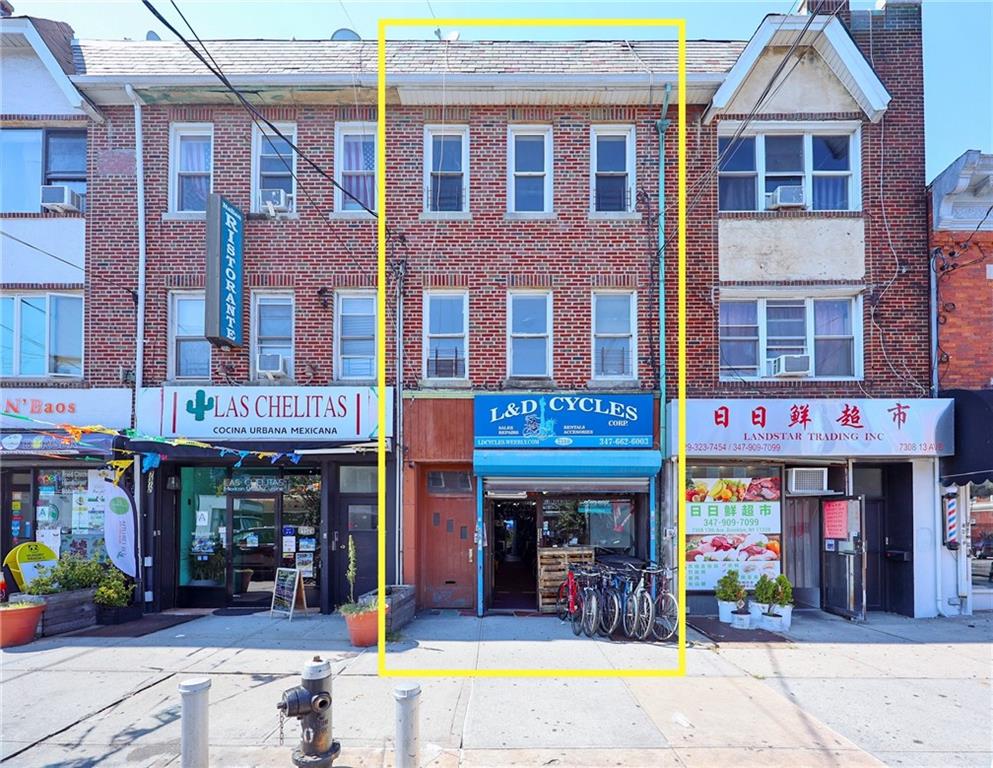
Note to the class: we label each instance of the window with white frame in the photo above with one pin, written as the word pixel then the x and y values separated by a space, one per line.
pixel 612 168
pixel 355 166
pixel 355 332
pixel 530 334
pixel 32 157
pixel 529 161
pixel 41 334
pixel 272 334
pixel 191 161
pixel 821 165
pixel 446 168
pixel 189 356
pixel 614 335
pixel 755 333
pixel 446 334
pixel 275 164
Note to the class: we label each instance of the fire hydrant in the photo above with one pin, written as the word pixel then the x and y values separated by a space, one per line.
pixel 310 703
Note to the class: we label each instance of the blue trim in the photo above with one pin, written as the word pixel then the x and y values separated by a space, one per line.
pixel 592 463
pixel 480 534
pixel 653 523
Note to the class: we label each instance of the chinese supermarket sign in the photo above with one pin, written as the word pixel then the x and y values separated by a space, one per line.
pixel 564 421
pixel 732 523
pixel 804 427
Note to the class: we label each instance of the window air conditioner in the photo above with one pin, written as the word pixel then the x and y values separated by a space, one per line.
pixel 789 366
pixel 785 197
pixel 273 201
pixel 807 480
pixel 58 197
pixel 271 365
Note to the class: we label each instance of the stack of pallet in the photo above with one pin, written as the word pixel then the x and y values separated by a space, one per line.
pixel 553 565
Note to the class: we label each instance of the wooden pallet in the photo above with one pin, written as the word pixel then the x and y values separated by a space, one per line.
pixel 553 566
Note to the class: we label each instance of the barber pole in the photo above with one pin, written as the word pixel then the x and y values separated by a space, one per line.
pixel 951 520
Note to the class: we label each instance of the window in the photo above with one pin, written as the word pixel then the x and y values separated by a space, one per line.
pixel 190 351
pixel 604 523
pixel 529 182
pixel 614 340
pixel 821 162
pixel 446 168
pixel 191 159
pixel 33 157
pixel 355 165
pixel 449 483
pixel 357 479
pixel 275 163
pixel 272 334
pixel 355 350
pixel 530 354
pixel 612 166
pixel 446 335
pixel 41 334
pixel 755 332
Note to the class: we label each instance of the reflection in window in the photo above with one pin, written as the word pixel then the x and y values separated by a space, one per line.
pixel 606 523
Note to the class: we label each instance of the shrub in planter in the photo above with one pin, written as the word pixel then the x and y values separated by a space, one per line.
pixel 729 592
pixel 19 622
pixel 68 588
pixel 761 598
pixel 113 598
pixel 782 601
pixel 362 618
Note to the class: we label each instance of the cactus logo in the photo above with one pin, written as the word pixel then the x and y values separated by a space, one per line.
pixel 199 405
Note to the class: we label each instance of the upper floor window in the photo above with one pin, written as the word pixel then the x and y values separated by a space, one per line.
pixel 32 157
pixel 814 170
pixel 612 168
pixel 275 165
pixel 272 335
pixel 355 342
pixel 189 350
pixel 191 159
pixel 355 166
pixel 446 168
pixel 41 334
pixel 446 334
pixel 529 160
pixel 614 335
pixel 530 334
pixel 791 337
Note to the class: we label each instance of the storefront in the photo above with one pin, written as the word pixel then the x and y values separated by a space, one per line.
pixel 51 480
pixel 289 476
pixel 840 495
pixel 559 478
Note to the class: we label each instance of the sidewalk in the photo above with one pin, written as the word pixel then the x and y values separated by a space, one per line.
pixel 894 691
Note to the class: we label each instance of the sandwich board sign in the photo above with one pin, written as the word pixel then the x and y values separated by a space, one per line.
pixel 288 593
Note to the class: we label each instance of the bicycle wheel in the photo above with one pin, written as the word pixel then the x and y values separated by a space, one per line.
pixel 610 612
pixel 646 615
pixel 629 616
pixel 591 612
pixel 576 617
pixel 666 616
pixel 562 601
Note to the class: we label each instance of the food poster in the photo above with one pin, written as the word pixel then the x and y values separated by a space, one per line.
pixel 732 523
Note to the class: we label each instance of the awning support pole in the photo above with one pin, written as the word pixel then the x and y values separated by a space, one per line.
pixel 479 546
pixel 653 522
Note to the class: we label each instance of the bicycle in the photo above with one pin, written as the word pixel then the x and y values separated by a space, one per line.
pixel 665 620
pixel 638 606
pixel 569 604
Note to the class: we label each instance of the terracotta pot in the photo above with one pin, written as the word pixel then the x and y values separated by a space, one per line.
pixel 363 628
pixel 18 625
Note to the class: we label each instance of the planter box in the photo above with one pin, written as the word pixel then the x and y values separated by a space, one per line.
pixel 64 611
pixel 118 614
pixel 402 602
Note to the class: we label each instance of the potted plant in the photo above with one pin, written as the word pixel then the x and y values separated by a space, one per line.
pixel 740 618
pixel 19 622
pixel 113 599
pixel 761 599
pixel 67 589
pixel 729 592
pixel 782 601
pixel 361 617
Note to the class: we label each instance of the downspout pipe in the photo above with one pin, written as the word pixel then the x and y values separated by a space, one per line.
pixel 398 429
pixel 661 125
pixel 938 488
pixel 139 345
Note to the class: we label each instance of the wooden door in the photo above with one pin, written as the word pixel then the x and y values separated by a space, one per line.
pixel 448 524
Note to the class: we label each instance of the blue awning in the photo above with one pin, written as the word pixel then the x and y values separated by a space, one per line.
pixel 566 463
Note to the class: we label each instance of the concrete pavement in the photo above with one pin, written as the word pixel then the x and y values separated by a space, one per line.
pixel 893 691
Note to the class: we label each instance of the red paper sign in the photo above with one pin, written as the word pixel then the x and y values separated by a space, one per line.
pixel 835 519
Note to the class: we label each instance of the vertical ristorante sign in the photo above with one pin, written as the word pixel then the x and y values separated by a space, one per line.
pixel 224 283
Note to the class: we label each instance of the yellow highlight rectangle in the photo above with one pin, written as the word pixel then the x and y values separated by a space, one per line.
pixel 680 25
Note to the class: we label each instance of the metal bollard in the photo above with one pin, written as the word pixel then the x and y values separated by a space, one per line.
pixel 310 703
pixel 408 737
pixel 194 743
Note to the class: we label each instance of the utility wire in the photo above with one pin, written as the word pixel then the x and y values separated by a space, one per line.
pixel 41 250
pixel 978 226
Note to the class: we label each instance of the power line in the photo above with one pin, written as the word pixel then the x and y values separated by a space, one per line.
pixel 42 250
pixel 978 226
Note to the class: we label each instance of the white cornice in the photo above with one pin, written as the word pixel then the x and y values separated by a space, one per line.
pixel 963 193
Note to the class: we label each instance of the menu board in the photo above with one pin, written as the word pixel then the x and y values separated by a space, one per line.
pixel 287 592
pixel 732 524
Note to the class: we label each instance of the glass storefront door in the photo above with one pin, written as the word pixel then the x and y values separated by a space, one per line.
pixel 252 521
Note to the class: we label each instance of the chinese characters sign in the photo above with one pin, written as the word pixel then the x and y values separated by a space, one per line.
pixel 732 523
pixel 804 427
pixel 835 516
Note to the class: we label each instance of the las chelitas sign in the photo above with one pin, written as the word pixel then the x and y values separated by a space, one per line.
pixel 263 413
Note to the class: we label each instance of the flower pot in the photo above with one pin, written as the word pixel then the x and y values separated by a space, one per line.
pixel 741 620
pixel 772 622
pixel 363 629
pixel 786 611
pixel 114 614
pixel 400 605
pixel 756 610
pixel 18 625
pixel 64 611
pixel 724 610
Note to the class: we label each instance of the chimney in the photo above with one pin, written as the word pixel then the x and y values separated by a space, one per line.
pixel 6 9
